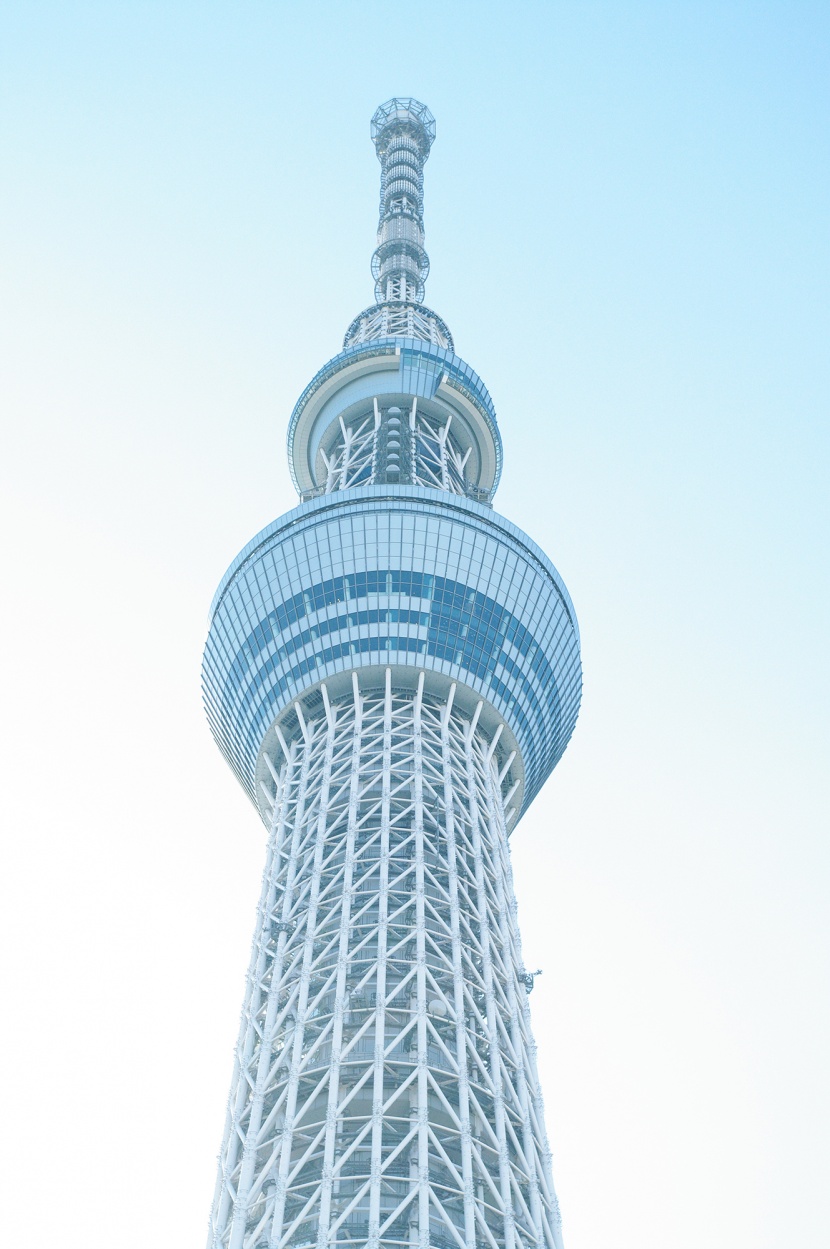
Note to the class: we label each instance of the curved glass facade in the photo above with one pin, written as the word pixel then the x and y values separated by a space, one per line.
pixel 373 577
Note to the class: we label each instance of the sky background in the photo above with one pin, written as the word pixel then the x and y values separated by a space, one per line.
pixel 627 217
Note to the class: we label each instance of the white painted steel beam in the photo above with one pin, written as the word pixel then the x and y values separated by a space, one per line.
pixel 384 1090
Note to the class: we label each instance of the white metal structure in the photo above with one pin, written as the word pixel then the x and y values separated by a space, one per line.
pixel 393 445
pixel 385 1090
pixel 392 671
pixel 398 319
pixel 403 132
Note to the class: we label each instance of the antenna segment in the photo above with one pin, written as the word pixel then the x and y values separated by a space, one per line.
pixel 403 131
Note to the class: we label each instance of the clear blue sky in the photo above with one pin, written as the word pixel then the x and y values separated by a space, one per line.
pixel 627 217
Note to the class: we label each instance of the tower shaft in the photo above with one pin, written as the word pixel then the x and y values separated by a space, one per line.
pixel 385 1091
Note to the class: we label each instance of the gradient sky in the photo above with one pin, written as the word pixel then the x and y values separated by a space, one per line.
pixel 627 217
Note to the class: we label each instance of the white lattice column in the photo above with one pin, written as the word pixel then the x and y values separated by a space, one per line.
pixel 421 1106
pixel 332 1120
pixel 458 980
pixel 265 966
pixel 384 1091
pixel 544 1203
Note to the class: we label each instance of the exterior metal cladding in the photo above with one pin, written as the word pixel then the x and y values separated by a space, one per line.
pixel 392 671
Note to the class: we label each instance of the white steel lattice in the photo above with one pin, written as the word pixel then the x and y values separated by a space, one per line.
pixel 399 320
pixel 402 131
pixel 385 1090
pixel 391 445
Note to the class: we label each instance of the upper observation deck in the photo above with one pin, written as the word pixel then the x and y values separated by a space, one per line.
pixel 442 420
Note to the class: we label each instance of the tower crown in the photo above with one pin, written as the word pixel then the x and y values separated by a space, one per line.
pixel 397 406
pixel 398 115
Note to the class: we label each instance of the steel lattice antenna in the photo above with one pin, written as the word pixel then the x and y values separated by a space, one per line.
pixel 403 131
pixel 392 671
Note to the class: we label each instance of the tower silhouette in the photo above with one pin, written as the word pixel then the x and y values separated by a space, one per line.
pixel 392 670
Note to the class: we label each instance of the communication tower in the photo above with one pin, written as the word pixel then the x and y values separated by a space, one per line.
pixel 392 671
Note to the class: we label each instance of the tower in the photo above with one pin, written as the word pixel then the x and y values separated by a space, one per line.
pixel 392 670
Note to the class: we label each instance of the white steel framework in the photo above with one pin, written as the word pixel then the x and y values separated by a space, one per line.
pixel 408 447
pixel 385 1090
pixel 385 1093
pixel 403 131
pixel 399 320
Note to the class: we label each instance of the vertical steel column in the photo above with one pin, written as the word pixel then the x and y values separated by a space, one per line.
pixel 380 982
pixel 492 1024
pixel 421 998
pixel 342 971
pixel 459 1009
pixel 537 1149
pixel 320 799
pixel 247 1032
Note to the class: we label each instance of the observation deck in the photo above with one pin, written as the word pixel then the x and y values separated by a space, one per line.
pixel 367 380
pixel 408 578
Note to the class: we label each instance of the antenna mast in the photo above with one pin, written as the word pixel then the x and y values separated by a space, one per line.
pixel 403 131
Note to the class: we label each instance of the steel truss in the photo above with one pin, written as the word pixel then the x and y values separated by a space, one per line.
pixel 399 320
pixel 403 131
pixel 384 445
pixel 385 1089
